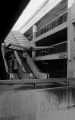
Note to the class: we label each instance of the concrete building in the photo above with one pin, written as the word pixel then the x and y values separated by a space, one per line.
pixel 51 36
pixel 54 44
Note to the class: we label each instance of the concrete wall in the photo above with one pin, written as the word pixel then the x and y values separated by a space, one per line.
pixel 73 11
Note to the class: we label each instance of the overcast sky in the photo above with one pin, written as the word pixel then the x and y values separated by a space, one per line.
pixel 30 10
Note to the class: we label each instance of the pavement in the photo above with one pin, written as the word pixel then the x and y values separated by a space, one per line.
pixel 50 103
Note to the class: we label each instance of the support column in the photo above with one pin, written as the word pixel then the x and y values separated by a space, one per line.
pixel 34 37
pixel 3 54
pixel 70 47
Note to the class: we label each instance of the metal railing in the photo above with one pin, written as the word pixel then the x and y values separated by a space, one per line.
pixel 56 48
pixel 59 20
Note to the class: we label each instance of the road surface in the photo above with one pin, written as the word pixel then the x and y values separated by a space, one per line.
pixel 19 103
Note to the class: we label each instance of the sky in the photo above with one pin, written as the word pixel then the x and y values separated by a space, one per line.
pixel 31 8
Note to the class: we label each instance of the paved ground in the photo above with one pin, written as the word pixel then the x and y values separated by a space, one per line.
pixel 19 103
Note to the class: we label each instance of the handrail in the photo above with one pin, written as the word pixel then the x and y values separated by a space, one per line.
pixel 47 25
pixel 53 20
pixel 43 47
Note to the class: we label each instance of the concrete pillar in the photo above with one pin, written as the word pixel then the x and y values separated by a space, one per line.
pixel 34 37
pixel 33 54
pixel 3 55
pixel 70 46
pixel 34 32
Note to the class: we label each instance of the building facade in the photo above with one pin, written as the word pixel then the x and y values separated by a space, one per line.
pixel 51 42
pixel 54 45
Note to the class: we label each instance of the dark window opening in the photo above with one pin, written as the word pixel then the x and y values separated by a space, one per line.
pixel 56 49
pixel 53 39
pixel 55 68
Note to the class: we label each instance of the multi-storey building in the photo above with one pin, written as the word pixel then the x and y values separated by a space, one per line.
pixel 54 44
pixel 51 35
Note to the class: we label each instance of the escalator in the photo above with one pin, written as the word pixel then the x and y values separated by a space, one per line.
pixel 19 44
pixel 28 65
